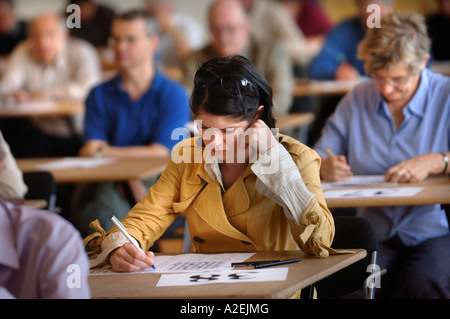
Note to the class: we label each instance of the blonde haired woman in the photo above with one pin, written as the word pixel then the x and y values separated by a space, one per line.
pixel 398 124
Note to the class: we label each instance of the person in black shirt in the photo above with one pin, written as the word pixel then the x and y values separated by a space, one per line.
pixel 12 30
pixel 96 20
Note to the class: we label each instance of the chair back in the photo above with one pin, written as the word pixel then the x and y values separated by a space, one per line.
pixel 41 185
pixel 350 233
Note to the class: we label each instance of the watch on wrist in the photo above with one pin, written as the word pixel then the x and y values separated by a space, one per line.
pixel 446 163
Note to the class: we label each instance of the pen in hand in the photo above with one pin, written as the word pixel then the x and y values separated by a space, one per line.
pixel 130 239
pixel 331 154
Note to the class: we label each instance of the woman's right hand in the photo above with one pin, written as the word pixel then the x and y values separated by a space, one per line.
pixel 128 259
pixel 335 169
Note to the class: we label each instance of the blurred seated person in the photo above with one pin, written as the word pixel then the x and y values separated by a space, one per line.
pixel 397 124
pixel 96 20
pixel 312 19
pixel 49 65
pixel 272 21
pixel 179 33
pixel 438 28
pixel 12 30
pixel 338 58
pixel 42 255
pixel 231 35
pixel 131 115
pixel 12 185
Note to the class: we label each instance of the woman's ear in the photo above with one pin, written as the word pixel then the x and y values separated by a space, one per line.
pixel 259 112
pixel 425 61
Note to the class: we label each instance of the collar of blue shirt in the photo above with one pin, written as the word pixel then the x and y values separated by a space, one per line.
pixel 418 103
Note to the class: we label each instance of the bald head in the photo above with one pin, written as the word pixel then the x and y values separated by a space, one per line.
pixel 47 35
pixel 230 27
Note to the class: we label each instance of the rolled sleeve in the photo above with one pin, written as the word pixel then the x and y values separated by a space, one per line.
pixel 294 183
pixel 280 179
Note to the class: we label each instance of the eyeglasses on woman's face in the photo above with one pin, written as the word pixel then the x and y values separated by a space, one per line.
pixel 396 81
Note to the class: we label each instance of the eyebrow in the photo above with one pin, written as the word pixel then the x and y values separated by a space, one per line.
pixel 222 129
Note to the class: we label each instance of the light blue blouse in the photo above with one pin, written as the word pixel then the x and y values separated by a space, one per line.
pixel 363 130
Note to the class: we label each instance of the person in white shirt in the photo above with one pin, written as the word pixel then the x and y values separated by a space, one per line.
pixel 42 255
pixel 51 65
pixel 179 33
pixel 271 20
pixel 12 185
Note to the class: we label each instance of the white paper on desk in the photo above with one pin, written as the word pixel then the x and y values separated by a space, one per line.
pixel 185 263
pixel 37 105
pixel 360 180
pixel 28 107
pixel 223 277
pixel 76 162
pixel 373 192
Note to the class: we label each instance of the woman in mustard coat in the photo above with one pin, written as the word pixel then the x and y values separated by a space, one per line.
pixel 242 186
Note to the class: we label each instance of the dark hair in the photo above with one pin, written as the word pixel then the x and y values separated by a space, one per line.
pixel 243 100
pixel 138 14
pixel 8 2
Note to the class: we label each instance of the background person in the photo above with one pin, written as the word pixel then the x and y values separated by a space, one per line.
pixel 38 247
pixel 397 124
pixel 12 185
pixel 49 65
pixel 12 29
pixel 131 115
pixel 232 35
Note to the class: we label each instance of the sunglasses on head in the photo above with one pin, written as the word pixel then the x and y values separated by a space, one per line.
pixel 232 84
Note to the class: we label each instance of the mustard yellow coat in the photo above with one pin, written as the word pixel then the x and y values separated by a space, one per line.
pixel 241 219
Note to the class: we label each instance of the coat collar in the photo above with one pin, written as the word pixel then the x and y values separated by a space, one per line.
pixel 217 218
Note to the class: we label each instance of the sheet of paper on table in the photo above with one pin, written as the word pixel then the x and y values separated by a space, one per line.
pixel 76 162
pixel 185 263
pixel 372 192
pixel 31 107
pixel 221 277
pixel 359 180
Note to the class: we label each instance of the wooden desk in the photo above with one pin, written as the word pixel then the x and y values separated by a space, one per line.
pixel 36 203
pixel 436 191
pixel 41 109
pixel 120 170
pixel 442 67
pixel 294 121
pixel 301 274
pixel 304 87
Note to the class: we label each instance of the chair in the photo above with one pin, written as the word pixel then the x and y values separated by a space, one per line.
pixel 41 185
pixel 352 233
